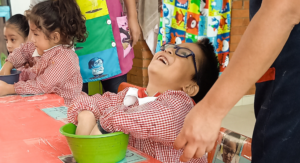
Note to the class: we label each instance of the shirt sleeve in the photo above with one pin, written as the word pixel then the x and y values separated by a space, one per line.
pixel 22 55
pixel 94 104
pixel 160 120
pixel 51 80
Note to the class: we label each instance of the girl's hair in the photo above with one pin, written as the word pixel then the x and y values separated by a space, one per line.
pixel 61 15
pixel 19 21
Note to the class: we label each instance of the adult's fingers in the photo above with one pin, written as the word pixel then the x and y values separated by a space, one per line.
pixel 180 141
pixel 135 39
pixel 199 153
pixel 188 152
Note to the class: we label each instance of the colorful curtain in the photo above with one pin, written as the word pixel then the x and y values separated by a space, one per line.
pixel 190 20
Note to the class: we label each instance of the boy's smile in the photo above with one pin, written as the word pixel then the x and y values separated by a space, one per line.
pixel 163 59
pixel 172 72
pixel 170 59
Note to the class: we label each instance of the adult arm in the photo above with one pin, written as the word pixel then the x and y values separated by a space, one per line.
pixel 260 45
pixel 134 27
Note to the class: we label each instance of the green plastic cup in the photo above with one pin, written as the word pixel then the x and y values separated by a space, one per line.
pixel 107 148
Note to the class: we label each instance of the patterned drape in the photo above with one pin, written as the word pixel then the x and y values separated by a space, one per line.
pixel 190 20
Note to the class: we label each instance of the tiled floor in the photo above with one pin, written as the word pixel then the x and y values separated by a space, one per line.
pixel 240 119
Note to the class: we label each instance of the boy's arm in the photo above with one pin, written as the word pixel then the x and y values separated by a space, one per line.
pixel 94 104
pixel 260 45
pixel 160 120
pixel 51 80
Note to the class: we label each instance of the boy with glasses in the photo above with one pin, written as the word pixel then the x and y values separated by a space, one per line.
pixel 153 116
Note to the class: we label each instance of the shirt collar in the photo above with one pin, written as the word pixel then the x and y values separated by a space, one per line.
pixel 52 48
pixel 36 54
pixel 142 93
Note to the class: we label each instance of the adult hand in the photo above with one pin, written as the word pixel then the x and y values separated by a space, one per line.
pixel 199 133
pixel 135 30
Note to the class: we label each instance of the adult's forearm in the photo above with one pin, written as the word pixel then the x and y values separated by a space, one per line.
pixel 131 8
pixel 260 45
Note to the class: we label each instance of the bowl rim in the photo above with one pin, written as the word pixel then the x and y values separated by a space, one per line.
pixel 17 73
pixel 87 136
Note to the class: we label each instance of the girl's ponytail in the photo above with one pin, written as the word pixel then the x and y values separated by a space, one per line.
pixel 72 22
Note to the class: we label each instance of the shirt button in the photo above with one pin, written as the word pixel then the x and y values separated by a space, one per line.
pixel 108 21
pixel 113 44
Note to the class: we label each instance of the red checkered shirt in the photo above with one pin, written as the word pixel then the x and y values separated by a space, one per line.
pixel 153 126
pixel 56 71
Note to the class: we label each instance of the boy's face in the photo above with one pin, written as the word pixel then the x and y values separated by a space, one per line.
pixel 172 71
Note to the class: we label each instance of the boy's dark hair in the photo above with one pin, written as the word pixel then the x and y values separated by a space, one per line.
pixel 64 15
pixel 208 71
pixel 19 21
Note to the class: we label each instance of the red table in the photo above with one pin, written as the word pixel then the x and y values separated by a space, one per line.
pixel 29 135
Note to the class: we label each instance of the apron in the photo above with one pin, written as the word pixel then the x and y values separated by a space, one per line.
pixel 277 129
pixel 107 52
pixel 190 20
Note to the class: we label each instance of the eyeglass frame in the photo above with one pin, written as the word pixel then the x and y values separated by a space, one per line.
pixel 162 48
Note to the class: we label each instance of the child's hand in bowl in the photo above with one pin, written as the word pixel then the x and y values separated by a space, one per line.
pixel 4 71
pixel 6 89
pixel 7 67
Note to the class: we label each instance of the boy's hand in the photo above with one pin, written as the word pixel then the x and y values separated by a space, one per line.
pixel 135 30
pixel 198 135
pixel 6 89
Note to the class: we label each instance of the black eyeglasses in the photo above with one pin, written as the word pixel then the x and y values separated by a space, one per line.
pixel 181 52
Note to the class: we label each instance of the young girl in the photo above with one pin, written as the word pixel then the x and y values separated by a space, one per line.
pixel 16 31
pixel 56 25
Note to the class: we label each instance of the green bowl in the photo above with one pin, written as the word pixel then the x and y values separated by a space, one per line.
pixel 107 148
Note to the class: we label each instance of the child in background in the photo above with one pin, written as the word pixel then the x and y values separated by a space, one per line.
pixel 56 25
pixel 16 31
pixel 153 116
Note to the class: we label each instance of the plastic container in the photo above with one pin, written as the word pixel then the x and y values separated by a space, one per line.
pixel 107 148
pixel 12 78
